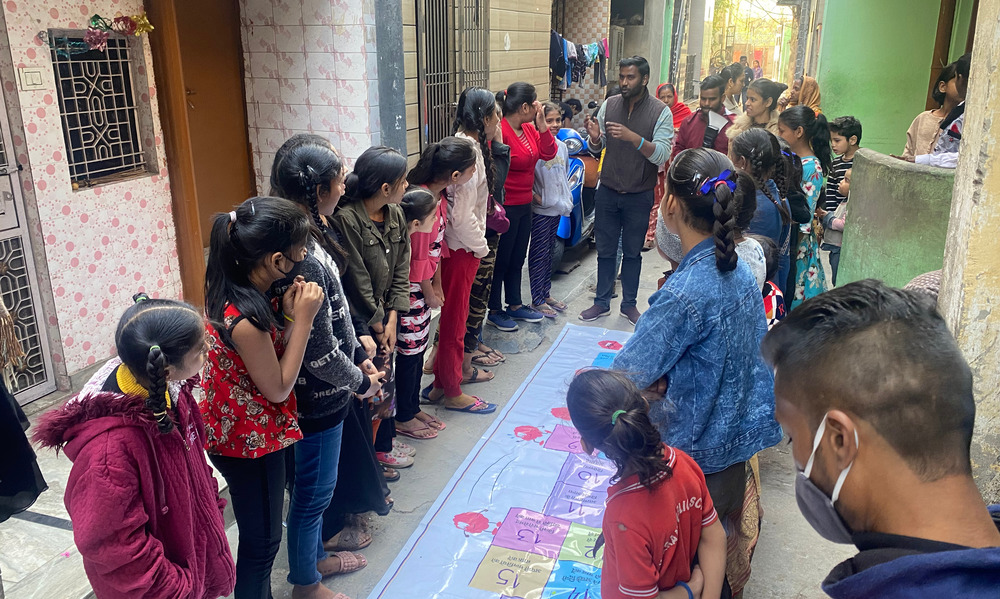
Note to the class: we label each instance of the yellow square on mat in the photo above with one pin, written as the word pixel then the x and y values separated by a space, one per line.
pixel 513 573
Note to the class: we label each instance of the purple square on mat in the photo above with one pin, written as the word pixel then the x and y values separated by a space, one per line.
pixel 564 438
pixel 525 530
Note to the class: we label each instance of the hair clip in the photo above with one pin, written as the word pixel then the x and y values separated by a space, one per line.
pixel 615 415
pixel 712 182
pixel 253 211
pixel 152 347
pixel 785 153
pixel 232 216
pixel 139 297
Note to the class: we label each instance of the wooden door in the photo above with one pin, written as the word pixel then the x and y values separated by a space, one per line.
pixel 212 67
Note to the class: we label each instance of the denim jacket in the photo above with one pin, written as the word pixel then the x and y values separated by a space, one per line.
pixel 703 332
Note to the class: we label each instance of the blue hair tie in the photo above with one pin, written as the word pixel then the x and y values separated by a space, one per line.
pixel 710 183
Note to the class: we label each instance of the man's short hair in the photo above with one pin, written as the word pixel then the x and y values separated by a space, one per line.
pixel 635 61
pixel 714 82
pixel 575 104
pixel 847 126
pixel 886 356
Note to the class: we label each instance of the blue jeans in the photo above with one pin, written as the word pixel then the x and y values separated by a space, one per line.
pixel 316 459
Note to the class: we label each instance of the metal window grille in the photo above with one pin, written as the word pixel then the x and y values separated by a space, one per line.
pixel 453 54
pixel 99 113
pixel 15 289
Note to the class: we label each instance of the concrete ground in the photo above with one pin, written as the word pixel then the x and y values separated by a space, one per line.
pixel 790 562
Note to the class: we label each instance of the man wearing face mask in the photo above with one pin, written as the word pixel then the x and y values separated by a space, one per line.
pixel 706 127
pixel 881 436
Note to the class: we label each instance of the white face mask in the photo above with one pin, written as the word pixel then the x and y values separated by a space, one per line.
pixel 817 508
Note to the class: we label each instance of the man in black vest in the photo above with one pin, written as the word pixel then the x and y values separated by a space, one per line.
pixel 636 132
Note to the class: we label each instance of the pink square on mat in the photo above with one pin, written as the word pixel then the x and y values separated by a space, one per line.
pixel 564 438
pixel 525 530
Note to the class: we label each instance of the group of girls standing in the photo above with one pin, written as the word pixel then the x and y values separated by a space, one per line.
pixel 318 300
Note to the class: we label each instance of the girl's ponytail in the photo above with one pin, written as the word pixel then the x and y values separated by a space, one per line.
pixel 724 227
pixel 156 374
pixel 820 140
pixel 377 166
pixel 611 415
pixel 475 104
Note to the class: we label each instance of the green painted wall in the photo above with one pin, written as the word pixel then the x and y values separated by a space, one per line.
pixel 897 219
pixel 874 63
pixel 960 30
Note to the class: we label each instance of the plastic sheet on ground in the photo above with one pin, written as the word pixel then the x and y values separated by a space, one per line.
pixel 521 516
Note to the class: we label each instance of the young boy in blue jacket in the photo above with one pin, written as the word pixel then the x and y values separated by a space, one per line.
pixel 881 438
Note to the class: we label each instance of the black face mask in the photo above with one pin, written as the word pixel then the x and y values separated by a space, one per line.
pixel 294 270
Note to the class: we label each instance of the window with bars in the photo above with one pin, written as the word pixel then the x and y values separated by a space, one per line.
pixel 100 116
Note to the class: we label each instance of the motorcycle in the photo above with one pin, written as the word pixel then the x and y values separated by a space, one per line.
pixel 578 227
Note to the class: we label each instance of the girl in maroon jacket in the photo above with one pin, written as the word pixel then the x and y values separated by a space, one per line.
pixel 146 512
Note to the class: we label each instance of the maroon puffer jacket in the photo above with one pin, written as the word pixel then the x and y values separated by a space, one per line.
pixel 146 512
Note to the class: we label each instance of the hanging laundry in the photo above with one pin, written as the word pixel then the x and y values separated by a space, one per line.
pixel 569 52
pixel 601 65
pixel 557 59
pixel 579 64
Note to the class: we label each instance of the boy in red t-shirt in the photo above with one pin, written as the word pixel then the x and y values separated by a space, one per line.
pixel 659 516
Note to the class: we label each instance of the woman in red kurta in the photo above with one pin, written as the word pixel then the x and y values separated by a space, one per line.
pixel 524 130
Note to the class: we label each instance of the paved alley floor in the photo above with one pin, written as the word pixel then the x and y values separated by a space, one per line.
pixel 790 562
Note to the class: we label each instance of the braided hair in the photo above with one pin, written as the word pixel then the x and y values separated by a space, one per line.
pixel 761 150
pixel 153 334
pixel 611 415
pixel 713 210
pixel 475 104
pixel 305 166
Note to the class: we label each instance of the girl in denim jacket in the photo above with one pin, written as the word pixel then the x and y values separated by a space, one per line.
pixel 700 338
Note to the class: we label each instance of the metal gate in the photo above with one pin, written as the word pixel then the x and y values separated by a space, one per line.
pixel 452 54
pixel 33 377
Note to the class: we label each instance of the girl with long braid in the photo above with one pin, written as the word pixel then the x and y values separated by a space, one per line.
pixel 145 507
pixel 336 373
pixel 699 342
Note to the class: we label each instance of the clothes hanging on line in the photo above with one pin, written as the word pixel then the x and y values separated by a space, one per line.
pixel 569 61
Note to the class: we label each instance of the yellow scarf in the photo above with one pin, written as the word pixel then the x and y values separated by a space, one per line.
pixel 130 386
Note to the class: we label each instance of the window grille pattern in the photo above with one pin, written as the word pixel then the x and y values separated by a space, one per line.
pixel 97 101
pixel 15 289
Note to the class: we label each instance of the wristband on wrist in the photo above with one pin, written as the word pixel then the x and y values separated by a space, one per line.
pixel 288 318
pixel 684 586
pixel 642 140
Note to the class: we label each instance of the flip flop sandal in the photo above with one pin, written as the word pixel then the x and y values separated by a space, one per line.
pixel 412 434
pixel 476 378
pixel 557 305
pixel 432 422
pixel 500 358
pixel 348 539
pixel 471 408
pixel 484 359
pixel 425 396
pixel 545 311
pixel 390 475
pixel 349 562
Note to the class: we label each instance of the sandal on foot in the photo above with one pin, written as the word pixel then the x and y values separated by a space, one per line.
pixel 349 562
pixel 475 378
pixel 390 475
pixel 425 395
pixel 479 407
pixel 348 539
pixel 556 305
pixel 431 421
pixel 483 359
pixel 422 433
pixel 544 310
pixel 499 357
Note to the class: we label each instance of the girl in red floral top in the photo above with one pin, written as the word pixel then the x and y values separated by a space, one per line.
pixel 249 408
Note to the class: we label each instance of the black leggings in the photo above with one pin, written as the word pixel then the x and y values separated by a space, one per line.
pixel 257 488
pixel 511 252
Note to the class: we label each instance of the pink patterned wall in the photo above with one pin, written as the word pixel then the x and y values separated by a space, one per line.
pixel 310 67
pixel 588 21
pixel 101 244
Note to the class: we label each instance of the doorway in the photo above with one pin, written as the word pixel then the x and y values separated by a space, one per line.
pixel 199 74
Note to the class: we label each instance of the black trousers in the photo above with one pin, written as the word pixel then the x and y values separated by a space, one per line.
pixel 511 252
pixel 257 487
pixel 625 217
pixel 409 371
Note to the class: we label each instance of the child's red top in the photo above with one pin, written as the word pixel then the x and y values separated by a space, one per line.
pixel 525 151
pixel 239 421
pixel 652 536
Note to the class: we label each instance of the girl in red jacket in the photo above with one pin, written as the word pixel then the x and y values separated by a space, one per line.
pixel 147 517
